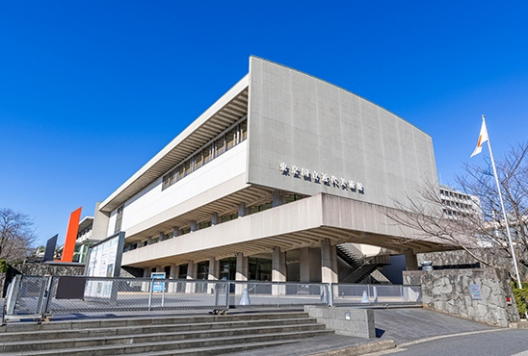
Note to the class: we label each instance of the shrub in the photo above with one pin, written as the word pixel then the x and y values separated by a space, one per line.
pixel 3 266
pixel 521 298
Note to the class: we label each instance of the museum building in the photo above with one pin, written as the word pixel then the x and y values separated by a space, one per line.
pixel 269 180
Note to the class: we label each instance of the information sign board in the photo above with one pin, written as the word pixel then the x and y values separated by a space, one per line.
pixel 474 289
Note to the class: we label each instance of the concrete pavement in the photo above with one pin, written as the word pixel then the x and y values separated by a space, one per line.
pixel 393 327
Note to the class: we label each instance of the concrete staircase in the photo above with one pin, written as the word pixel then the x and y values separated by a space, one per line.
pixel 181 335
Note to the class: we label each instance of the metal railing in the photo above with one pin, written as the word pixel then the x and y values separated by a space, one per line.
pixel 39 297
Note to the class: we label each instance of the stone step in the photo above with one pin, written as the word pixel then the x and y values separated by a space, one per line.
pixel 218 350
pixel 162 337
pixel 179 347
pixel 135 321
pixel 147 329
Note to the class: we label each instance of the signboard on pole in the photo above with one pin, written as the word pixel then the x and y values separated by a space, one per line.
pixel 104 260
pixel 158 286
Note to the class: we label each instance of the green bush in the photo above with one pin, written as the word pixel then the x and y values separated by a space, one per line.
pixel 521 297
pixel 3 266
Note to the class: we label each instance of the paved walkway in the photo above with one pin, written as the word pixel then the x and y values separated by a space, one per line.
pixel 406 325
pixel 400 325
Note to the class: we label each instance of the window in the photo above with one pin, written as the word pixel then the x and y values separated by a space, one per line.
pixel 204 225
pixel 220 146
pixel 119 219
pixel 206 153
pixel 198 160
pixel 243 130
pixel 230 138
pixel 181 172
pixel 187 165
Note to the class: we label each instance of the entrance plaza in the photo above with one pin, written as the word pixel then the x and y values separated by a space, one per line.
pixel 267 181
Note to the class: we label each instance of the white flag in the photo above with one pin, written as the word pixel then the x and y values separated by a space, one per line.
pixel 482 138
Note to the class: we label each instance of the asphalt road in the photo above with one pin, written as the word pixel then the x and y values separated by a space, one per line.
pixel 494 342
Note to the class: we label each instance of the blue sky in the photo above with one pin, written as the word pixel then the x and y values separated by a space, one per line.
pixel 90 90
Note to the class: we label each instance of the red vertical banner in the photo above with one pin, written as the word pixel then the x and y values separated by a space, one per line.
pixel 71 236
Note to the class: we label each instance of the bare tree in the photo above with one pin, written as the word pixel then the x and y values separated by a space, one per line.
pixel 16 235
pixel 479 222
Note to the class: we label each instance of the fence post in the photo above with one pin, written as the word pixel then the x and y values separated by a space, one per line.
pixel 150 295
pixel 47 296
pixel 163 295
pixel 227 292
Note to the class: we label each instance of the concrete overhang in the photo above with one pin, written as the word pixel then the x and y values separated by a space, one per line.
pixel 87 221
pixel 224 112
pixel 303 223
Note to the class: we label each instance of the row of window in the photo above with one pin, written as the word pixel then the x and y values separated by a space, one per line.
pixel 222 143
pixel 457 205
pixel 452 213
pixel 446 193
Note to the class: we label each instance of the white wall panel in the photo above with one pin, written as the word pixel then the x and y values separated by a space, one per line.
pixel 111 223
pixel 153 200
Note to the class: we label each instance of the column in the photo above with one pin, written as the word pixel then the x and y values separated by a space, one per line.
pixel 242 211
pixel 214 270
pixel 328 262
pixel 194 225
pixel 411 262
pixel 161 237
pixel 214 219
pixel 242 269
pixel 176 231
pixel 191 274
pixel 310 264
pixel 81 252
pixel 174 273
pixel 149 241
pixel 146 284
pixel 278 198
pixel 278 271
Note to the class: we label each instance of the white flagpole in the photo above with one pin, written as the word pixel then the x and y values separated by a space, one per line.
pixel 503 210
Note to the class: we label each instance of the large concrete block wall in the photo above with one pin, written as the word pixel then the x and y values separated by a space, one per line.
pixel 449 291
pixel 345 321
pixel 304 121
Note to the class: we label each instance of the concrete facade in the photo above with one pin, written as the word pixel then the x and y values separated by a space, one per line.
pixel 307 122
pixel 282 167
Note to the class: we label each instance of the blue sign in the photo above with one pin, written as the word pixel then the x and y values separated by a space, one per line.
pixel 158 286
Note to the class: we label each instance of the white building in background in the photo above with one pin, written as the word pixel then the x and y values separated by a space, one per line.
pixel 458 205
pixel 267 181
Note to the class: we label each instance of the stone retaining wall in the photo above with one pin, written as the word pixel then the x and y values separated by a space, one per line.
pixel 462 259
pixel 51 269
pixel 449 291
